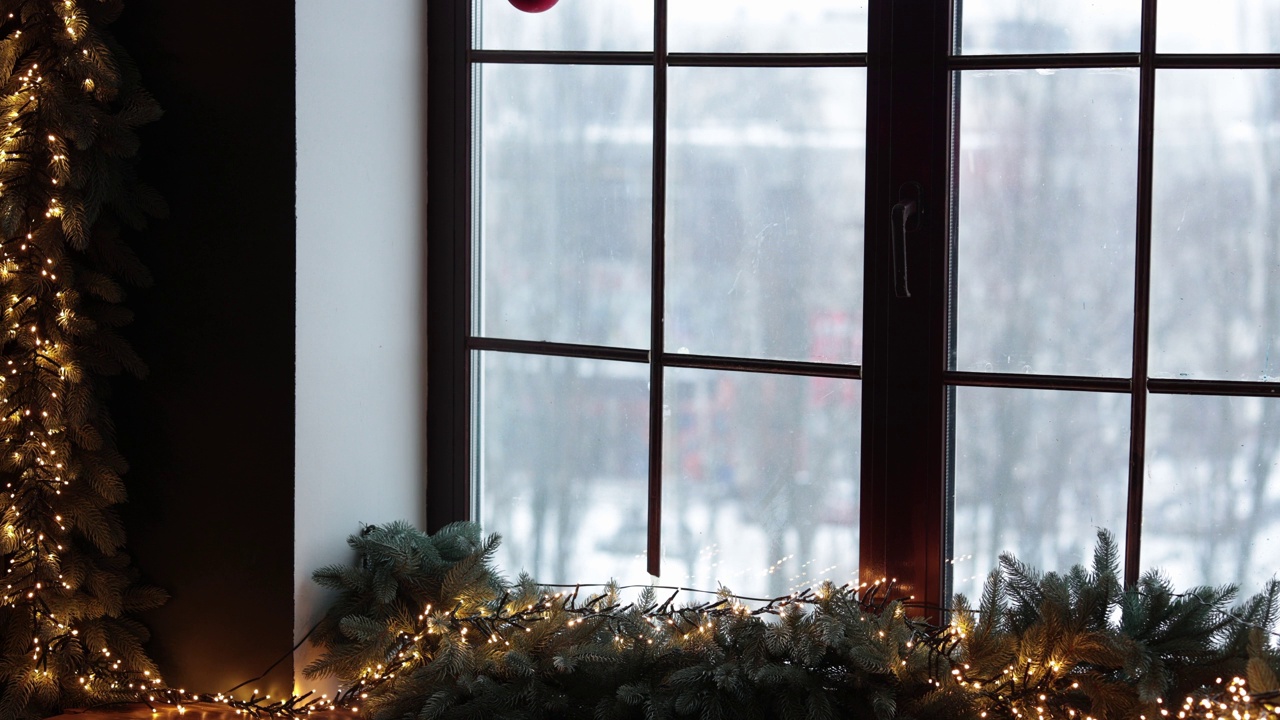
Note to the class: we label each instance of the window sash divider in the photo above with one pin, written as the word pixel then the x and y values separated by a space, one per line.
pixel 571 350
pixel 1236 388
pixel 1037 382
pixel 682 360
pixel 1237 61
pixel 658 291
pixel 767 59
pixel 560 57
pixel 1141 296
pixel 646 58
pixel 756 365
pixel 448 294
pixel 1042 60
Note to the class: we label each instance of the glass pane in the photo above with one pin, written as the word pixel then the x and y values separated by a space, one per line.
pixel 990 27
pixel 562 449
pixel 565 187
pixel 1212 490
pixel 746 26
pixel 1215 276
pixel 615 25
pixel 764 219
pixel 760 481
pixel 1220 26
pixel 1047 171
pixel 1037 473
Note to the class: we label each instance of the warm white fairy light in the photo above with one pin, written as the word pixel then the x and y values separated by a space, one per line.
pixel 39 314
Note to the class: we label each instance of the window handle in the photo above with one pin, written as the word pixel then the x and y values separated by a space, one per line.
pixel 903 218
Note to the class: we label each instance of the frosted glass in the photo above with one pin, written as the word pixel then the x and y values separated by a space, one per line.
pixel 1212 489
pixel 562 448
pixel 754 26
pixel 1047 171
pixel 565 211
pixel 1215 276
pixel 760 481
pixel 614 25
pixel 991 27
pixel 1037 473
pixel 765 212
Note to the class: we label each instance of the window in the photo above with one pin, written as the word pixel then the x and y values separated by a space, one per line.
pixel 766 293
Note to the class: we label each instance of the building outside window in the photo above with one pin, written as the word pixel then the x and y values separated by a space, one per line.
pixel 762 294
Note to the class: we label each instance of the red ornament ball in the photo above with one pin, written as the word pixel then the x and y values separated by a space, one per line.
pixel 533 6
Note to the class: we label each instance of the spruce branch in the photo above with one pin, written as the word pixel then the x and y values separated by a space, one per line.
pixel 1050 645
pixel 66 143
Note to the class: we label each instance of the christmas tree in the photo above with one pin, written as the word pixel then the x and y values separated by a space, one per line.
pixel 71 101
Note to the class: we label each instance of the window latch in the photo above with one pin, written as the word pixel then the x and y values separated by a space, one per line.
pixel 904 218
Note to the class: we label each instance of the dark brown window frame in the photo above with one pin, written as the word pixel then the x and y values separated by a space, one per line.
pixel 908 390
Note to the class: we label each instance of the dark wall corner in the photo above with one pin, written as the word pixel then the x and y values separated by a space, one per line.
pixel 209 433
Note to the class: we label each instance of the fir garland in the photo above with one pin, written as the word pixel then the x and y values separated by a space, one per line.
pixel 423 628
pixel 70 101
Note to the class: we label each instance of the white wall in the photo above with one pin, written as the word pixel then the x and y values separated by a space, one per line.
pixel 359 431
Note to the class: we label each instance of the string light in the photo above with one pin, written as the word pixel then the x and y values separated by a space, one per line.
pixel 50 443
pixel 1029 688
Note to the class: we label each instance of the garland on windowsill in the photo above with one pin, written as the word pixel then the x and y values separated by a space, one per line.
pixel 423 628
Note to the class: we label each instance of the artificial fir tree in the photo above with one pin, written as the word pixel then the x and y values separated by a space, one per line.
pixel 70 102
pixel 423 628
